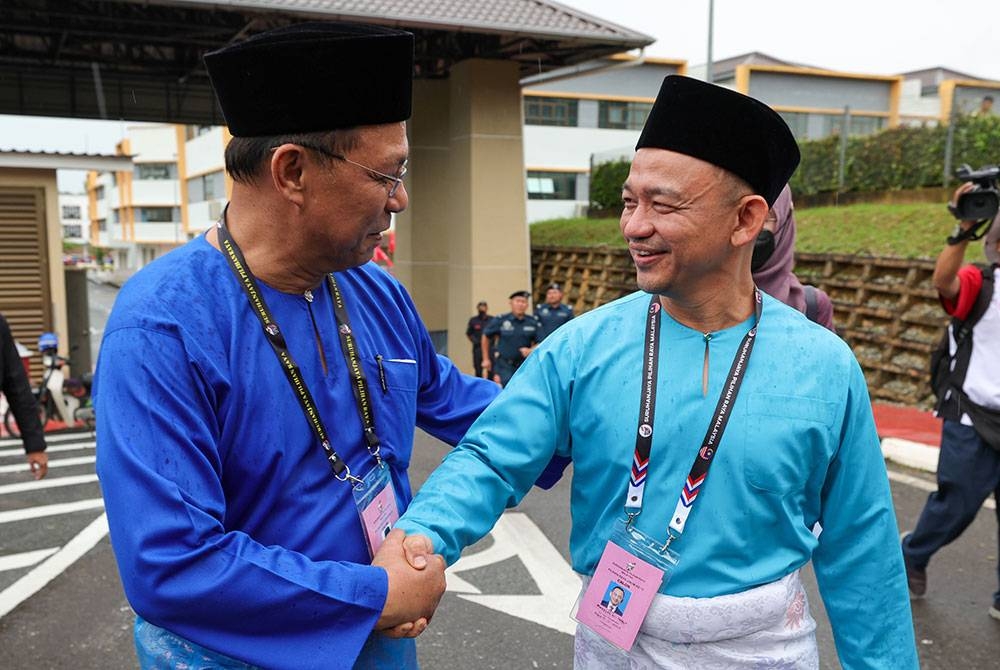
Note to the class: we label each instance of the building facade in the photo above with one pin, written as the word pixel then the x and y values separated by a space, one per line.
pixel 175 190
pixel 567 119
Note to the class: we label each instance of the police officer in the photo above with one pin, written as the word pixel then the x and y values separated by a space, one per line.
pixel 509 338
pixel 552 313
pixel 474 331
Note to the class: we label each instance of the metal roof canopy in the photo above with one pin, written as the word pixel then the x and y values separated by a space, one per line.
pixel 140 60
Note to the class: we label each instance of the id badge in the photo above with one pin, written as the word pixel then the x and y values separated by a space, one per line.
pixel 375 499
pixel 630 573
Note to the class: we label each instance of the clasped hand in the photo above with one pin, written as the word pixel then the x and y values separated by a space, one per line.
pixel 416 583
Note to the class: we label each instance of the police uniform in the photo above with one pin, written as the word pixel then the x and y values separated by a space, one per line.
pixel 513 333
pixel 551 318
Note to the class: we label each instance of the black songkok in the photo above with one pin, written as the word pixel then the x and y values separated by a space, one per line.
pixel 313 77
pixel 724 128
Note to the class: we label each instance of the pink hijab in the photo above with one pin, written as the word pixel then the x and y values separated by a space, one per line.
pixel 775 277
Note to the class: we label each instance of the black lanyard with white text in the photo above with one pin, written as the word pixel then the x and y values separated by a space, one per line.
pixel 277 341
pixel 713 436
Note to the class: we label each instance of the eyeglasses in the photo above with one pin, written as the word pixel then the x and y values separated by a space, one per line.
pixel 384 178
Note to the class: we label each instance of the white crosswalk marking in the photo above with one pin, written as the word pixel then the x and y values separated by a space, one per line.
pixel 50 449
pixel 49 439
pixel 25 559
pixel 47 483
pixel 20 495
pixel 41 575
pixel 50 510
pixel 56 463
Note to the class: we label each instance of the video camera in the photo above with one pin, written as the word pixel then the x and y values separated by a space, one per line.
pixel 983 201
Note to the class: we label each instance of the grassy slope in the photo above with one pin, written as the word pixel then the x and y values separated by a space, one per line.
pixel 903 231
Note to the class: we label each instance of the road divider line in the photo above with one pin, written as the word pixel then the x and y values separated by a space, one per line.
pixel 58 463
pixel 34 581
pixel 25 559
pixel 13 515
pixel 47 483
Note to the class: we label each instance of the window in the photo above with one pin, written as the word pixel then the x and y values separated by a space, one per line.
pixel 102 225
pixel 549 111
pixel 99 193
pixel 206 187
pixel 74 230
pixel 72 212
pixel 156 214
pixel 551 186
pixel 622 115
pixel 807 126
pixel 154 171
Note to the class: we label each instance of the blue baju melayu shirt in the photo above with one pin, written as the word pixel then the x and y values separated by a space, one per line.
pixel 227 523
pixel 800 448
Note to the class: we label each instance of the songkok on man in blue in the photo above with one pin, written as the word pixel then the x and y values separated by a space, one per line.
pixel 313 77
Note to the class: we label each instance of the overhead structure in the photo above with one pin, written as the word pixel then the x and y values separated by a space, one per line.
pixel 464 237
pixel 140 60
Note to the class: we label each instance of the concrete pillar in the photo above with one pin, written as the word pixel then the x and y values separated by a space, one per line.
pixel 489 246
pixel 421 258
pixel 465 235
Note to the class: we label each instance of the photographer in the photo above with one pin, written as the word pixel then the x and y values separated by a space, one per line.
pixel 969 401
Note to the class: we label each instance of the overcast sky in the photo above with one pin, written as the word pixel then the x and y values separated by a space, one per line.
pixel 868 36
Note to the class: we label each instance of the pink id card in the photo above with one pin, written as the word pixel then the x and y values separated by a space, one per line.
pixel 619 595
pixel 376 501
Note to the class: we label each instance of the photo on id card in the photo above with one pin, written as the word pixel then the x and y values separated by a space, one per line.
pixel 631 571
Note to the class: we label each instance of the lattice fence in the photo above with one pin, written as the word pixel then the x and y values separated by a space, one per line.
pixel 885 308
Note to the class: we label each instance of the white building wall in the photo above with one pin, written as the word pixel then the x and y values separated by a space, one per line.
pixel 542 210
pixel 205 153
pixel 915 109
pixel 153 144
pixel 159 232
pixel 570 148
pixel 201 215
pixel 155 192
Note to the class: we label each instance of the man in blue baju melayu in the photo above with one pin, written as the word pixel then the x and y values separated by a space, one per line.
pixel 258 389
pixel 771 409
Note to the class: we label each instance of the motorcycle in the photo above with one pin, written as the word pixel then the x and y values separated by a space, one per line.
pixel 58 397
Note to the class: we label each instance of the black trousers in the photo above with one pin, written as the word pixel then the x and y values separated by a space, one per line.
pixel 968 471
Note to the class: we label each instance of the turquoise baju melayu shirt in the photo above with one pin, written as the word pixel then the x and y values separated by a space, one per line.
pixel 800 448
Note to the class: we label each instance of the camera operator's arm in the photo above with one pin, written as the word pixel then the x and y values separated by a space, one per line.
pixel 951 257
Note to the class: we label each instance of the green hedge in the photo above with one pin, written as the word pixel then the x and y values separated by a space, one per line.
pixel 898 158
pixel 606 184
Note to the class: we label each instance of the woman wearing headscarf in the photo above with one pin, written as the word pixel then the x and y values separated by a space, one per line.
pixel 774 260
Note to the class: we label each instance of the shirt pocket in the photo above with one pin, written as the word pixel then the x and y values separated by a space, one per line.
pixel 787 438
pixel 398 373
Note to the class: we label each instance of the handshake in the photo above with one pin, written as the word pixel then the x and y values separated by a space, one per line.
pixel 416 583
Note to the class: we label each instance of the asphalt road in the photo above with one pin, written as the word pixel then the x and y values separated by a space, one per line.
pixel 62 605
pixel 80 618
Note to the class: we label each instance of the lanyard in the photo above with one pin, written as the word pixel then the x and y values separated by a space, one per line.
pixel 277 341
pixel 713 436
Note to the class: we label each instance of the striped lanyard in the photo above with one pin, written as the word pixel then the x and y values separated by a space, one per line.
pixel 713 436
